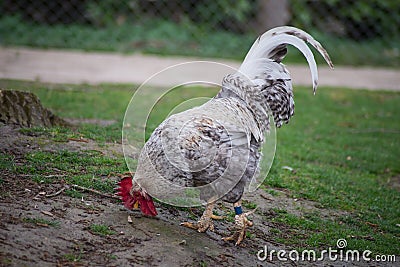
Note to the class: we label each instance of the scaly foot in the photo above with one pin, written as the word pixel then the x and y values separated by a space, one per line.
pixel 241 224
pixel 217 217
pixel 205 221
pixel 202 225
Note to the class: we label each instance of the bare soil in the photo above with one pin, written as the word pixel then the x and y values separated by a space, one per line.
pixel 146 241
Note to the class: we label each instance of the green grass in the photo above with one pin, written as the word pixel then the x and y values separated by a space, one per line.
pixel 7 162
pixel 85 168
pixel 342 144
pixel 101 229
pixel 75 256
pixel 73 193
pixel 79 101
pixel 153 36
pixel 157 36
pixel 313 231
pixel 41 222
pixel 249 205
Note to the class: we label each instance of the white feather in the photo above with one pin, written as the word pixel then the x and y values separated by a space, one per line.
pixel 257 62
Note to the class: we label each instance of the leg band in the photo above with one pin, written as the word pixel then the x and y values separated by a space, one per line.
pixel 238 210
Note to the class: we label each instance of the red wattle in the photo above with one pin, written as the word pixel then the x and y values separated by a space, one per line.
pixel 147 206
pixel 125 186
pixel 145 201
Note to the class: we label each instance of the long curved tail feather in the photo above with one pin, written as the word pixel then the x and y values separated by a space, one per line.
pixel 272 46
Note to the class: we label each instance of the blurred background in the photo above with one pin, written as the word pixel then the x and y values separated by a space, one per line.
pixel 336 171
pixel 354 32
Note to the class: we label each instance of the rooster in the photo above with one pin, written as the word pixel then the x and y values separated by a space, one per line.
pixel 233 123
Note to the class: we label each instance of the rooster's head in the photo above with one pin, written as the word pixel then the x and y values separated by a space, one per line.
pixel 134 198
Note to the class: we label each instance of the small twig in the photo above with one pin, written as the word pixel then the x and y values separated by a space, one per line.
pixel 41 193
pixel 54 175
pixel 95 191
pixel 57 193
pixel 266 198
pixel 57 170
pixel 372 224
pixel 78 140
pixel 76 187
pixel 26 175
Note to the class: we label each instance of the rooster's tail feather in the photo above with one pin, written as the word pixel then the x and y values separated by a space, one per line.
pixel 272 46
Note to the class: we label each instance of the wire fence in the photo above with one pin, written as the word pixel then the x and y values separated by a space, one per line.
pixel 362 32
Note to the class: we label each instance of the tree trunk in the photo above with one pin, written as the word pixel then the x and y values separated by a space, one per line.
pixel 25 109
pixel 271 13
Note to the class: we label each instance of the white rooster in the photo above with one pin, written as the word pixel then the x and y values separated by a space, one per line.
pixel 232 125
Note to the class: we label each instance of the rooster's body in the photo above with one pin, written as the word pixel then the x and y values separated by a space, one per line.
pixel 196 147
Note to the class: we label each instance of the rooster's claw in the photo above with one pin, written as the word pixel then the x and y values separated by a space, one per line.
pixel 201 226
pixel 241 224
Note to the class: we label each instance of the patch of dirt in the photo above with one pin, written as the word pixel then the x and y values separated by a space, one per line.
pixel 55 231
pixel 15 143
pixel 394 182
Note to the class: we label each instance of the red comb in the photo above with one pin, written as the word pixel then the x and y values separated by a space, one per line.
pixel 145 201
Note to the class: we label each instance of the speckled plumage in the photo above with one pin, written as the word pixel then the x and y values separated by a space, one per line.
pixel 194 148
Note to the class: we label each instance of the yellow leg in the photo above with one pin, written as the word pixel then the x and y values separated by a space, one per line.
pixel 217 217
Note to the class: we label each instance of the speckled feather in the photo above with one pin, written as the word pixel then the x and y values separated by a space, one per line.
pixel 230 125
